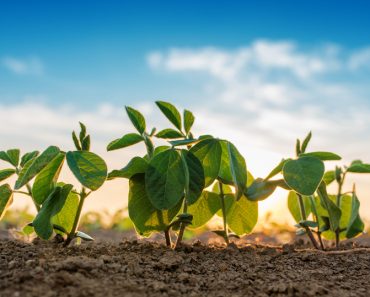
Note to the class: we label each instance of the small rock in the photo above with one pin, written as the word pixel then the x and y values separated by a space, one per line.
pixel 12 264
pixel 31 263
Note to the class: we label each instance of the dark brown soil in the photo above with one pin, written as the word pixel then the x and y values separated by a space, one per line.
pixel 135 268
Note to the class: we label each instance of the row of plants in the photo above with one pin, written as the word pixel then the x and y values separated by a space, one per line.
pixel 182 184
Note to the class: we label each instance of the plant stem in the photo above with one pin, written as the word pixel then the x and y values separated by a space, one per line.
pixel 182 227
pixel 304 218
pixel 149 145
pixel 71 235
pixel 223 208
pixel 315 215
pixel 339 196
pixel 320 241
pixel 168 237
pixel 29 189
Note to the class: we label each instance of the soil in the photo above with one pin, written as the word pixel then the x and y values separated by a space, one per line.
pixel 141 268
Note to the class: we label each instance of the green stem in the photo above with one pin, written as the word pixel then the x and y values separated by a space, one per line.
pixel 149 145
pixel 223 208
pixel 29 189
pixel 72 234
pixel 182 227
pixel 304 218
pixel 316 219
pixel 339 198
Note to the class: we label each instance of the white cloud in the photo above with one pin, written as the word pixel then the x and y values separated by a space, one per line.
pixel 359 59
pixel 278 91
pixel 260 55
pixel 31 66
pixel 265 95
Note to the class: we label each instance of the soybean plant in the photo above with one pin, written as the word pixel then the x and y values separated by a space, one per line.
pixel 165 179
pixel 60 204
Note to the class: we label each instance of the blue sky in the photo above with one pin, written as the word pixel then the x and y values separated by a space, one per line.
pixel 96 51
pixel 259 73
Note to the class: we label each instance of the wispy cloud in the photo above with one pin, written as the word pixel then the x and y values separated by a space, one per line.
pixel 30 66
pixel 277 91
pixel 360 59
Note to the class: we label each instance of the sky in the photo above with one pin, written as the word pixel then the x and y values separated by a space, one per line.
pixel 259 73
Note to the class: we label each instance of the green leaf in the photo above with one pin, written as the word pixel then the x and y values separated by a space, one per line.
pixel 82 132
pixel 85 145
pixel 355 225
pixel 89 169
pixel 183 142
pixel 304 174
pixel 13 156
pixel 6 173
pixel 171 113
pixel 204 208
pixel 261 189
pixel 165 179
pixel 46 179
pixel 125 141
pixel 4 156
pixel 209 153
pixel 52 206
pixel 242 216
pixel 76 141
pixel 329 177
pixel 137 119
pixel 323 156
pixel 294 208
pixel 135 166
pixel 305 142
pixel 28 156
pixel 144 215
pixel 233 170
pixel 324 217
pixel 28 230
pixel 84 236
pixel 6 198
pixel 65 218
pixel 188 120
pixel 334 211
pixel 194 178
pixel 359 168
pixel 37 165
pixel 169 134
pixel 10 156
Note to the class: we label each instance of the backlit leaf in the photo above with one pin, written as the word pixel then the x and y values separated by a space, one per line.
pixel 171 113
pixel 304 174
pixel 37 165
pixel 89 169
pixel 125 141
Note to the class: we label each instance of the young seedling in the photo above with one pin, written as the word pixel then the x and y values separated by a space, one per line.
pixel 145 217
pixel 304 176
pixel 219 162
pixel 60 205
pixel 339 214
pixel 17 167
pixel 165 179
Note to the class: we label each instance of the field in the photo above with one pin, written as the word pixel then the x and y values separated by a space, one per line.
pixel 164 243
pixel 142 268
